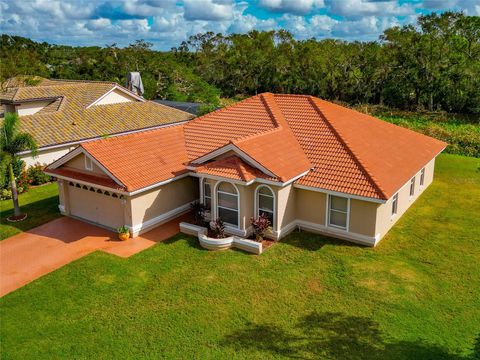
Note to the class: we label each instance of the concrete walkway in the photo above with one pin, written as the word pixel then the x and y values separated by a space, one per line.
pixel 32 254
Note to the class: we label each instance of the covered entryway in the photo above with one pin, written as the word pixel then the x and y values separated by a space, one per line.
pixel 95 205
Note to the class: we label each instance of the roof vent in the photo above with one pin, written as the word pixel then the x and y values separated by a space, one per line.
pixel 134 83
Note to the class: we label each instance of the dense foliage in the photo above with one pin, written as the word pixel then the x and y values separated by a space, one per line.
pixel 435 65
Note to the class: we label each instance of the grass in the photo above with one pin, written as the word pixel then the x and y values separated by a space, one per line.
pixel 41 205
pixel 416 296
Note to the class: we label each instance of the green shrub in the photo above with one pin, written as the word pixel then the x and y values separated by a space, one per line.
pixel 18 168
pixel 36 176
pixel 6 194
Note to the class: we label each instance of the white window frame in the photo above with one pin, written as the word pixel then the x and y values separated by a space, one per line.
pixel 422 178
pixel 217 185
pixel 394 201
pixel 87 161
pixel 204 183
pixel 411 190
pixel 257 204
pixel 347 227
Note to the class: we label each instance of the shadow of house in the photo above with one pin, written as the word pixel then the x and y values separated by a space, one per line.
pixel 334 336
pixel 315 242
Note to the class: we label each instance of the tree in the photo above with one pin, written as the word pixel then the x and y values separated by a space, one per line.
pixel 13 141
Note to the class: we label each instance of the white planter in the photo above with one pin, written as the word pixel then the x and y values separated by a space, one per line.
pixel 220 244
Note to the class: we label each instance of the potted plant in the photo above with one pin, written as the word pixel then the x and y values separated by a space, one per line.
pixel 123 233
pixel 218 228
pixel 260 226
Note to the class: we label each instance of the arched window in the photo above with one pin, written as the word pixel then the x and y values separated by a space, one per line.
pixel 266 203
pixel 227 203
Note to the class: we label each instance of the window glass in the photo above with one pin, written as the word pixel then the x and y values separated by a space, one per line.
pixel 206 189
pixel 412 187
pixel 207 196
pixel 338 203
pixel 227 201
pixel 265 202
pixel 228 216
pixel 338 219
pixel 338 211
pixel 394 204
pixel 422 177
pixel 227 187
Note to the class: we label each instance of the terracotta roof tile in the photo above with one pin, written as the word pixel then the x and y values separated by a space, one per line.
pixel 345 151
pixel 232 167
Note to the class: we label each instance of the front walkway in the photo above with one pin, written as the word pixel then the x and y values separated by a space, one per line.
pixel 32 254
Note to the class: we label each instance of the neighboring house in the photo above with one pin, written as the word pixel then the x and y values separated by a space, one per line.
pixel 304 162
pixel 60 114
pixel 189 107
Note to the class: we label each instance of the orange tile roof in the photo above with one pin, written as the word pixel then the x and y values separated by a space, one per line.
pixel 232 167
pixel 340 149
pixel 142 159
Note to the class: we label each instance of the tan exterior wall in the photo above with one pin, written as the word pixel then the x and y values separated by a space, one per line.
pixel 115 97
pixel 149 205
pixel 32 107
pixel 363 216
pixel 46 157
pixel 384 220
pixel 78 162
pixel 311 206
pixel 286 198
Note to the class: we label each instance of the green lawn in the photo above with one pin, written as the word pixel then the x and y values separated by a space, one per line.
pixel 41 205
pixel 416 296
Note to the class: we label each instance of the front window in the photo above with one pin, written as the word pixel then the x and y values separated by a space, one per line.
pixel 412 187
pixel 338 208
pixel 227 203
pixel 395 204
pixel 266 203
pixel 422 177
pixel 207 196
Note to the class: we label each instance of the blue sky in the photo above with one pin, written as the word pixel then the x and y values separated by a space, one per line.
pixel 167 23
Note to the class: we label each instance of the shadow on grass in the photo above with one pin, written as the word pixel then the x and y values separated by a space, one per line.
pixel 313 242
pixel 192 241
pixel 334 336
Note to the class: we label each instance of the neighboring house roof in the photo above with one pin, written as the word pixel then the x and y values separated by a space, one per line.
pixel 189 107
pixel 70 116
pixel 287 137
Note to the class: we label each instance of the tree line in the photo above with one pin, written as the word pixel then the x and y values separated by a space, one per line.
pixel 434 65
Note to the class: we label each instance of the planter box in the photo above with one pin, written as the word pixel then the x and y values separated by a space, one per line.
pixel 220 244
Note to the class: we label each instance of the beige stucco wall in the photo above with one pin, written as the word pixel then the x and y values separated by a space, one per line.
pixel 363 216
pixel 151 204
pixel 115 97
pixel 384 219
pixel 311 206
pixel 31 107
pixel 286 198
pixel 78 162
pixel 46 157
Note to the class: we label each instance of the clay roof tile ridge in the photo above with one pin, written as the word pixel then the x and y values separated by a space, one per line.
pixel 355 156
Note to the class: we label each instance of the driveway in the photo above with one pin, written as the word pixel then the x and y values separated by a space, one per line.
pixel 32 254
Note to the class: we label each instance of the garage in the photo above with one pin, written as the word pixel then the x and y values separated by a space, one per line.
pixel 95 205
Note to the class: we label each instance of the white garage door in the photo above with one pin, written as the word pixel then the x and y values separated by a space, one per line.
pixel 96 207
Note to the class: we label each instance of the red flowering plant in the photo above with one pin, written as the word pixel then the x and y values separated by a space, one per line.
pixel 260 226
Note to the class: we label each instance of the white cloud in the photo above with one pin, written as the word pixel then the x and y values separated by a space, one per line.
pixel 298 7
pixel 357 8
pixel 212 10
pixel 317 26
pixel 368 27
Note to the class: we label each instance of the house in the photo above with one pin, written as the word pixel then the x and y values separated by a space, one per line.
pixel 304 162
pixel 60 114
pixel 190 107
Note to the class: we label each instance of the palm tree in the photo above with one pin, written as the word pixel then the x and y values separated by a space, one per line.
pixel 12 141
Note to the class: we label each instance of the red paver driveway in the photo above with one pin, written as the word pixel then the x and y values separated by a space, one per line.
pixel 29 255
